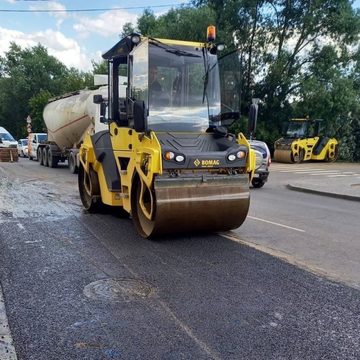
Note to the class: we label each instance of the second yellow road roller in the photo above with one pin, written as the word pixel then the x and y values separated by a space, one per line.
pixel 302 141
pixel 167 158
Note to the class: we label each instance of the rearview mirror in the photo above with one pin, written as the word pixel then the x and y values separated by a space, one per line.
pixel 98 99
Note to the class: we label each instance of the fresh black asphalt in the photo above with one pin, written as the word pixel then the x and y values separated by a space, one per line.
pixel 86 286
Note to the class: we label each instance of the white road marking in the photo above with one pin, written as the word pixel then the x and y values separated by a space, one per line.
pixel 277 224
pixel 339 175
pixel 313 171
pixel 324 173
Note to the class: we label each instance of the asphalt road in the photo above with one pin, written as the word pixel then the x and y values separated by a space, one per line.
pixel 82 286
pixel 318 233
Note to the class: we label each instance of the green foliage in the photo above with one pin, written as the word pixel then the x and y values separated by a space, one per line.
pixel 185 23
pixel 100 68
pixel 127 29
pixel 146 23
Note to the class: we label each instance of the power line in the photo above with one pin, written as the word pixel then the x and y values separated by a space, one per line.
pixel 85 10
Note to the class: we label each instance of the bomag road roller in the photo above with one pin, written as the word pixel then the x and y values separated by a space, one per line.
pixel 302 142
pixel 167 158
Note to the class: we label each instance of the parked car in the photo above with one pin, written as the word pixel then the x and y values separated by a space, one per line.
pixel 262 171
pixel 22 147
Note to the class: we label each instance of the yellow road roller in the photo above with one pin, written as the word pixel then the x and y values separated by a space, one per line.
pixel 302 142
pixel 167 159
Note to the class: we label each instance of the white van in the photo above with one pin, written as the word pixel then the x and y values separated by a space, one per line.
pixel 6 139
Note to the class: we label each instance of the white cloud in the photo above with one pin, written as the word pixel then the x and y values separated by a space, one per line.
pixel 67 50
pixel 107 24
pixel 52 5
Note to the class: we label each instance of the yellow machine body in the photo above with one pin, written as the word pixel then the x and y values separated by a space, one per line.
pixel 169 181
pixel 305 145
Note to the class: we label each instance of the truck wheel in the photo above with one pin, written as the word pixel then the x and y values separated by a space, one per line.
pixel 45 157
pixel 40 156
pixel 72 164
pixel 257 183
pixel 52 160
pixel 89 189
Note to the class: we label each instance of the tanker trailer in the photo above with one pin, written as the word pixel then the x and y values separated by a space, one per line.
pixel 68 118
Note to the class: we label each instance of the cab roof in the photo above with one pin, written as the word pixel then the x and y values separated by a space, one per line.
pixel 123 48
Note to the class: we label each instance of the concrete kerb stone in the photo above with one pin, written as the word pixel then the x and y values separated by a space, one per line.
pixel 323 193
pixel 7 350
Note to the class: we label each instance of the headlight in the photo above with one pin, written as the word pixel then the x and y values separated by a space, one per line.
pixel 231 157
pixel 179 158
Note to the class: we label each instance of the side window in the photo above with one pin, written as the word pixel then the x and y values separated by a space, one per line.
pixel 140 66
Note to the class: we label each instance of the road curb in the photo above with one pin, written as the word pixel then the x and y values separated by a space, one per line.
pixel 323 193
pixel 7 350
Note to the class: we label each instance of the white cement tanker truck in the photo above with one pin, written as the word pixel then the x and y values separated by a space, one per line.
pixel 68 119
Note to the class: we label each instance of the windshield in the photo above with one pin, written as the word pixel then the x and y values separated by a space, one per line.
pixel 24 142
pixel 6 137
pixel 42 137
pixel 296 129
pixel 174 89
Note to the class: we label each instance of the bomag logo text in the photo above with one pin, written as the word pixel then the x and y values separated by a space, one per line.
pixel 206 163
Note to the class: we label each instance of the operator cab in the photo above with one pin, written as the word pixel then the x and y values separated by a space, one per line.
pixel 303 128
pixel 174 85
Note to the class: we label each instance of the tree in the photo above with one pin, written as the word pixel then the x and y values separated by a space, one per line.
pixel 185 23
pixel 127 29
pixel 100 67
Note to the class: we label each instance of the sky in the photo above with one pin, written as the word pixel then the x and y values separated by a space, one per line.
pixel 75 38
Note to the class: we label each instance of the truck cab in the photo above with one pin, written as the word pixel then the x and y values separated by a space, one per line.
pixel 34 140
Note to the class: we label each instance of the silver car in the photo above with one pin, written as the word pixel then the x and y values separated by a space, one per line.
pixel 262 171
pixel 22 147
